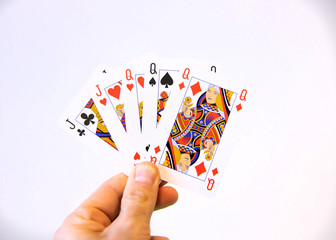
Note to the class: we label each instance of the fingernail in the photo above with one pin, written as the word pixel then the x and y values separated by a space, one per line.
pixel 145 173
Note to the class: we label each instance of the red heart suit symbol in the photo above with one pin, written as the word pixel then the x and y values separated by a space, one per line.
pixel 136 156
pixel 114 92
pixel 103 101
pixel 141 81
pixel 129 86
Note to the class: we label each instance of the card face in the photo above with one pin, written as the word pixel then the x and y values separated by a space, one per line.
pixel 198 129
pixel 140 90
pixel 147 94
pixel 172 82
pixel 197 149
pixel 120 95
pixel 83 121
pixel 127 73
pixel 107 93
pixel 174 113
pixel 165 82
pixel 90 119
pixel 114 96
pixel 165 87
pixel 123 95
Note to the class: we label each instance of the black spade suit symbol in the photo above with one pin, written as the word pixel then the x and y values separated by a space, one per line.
pixel 152 82
pixel 167 80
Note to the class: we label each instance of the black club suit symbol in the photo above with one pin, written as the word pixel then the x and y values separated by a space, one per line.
pixel 81 132
pixel 88 119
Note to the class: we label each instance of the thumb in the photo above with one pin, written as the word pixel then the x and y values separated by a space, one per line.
pixel 140 195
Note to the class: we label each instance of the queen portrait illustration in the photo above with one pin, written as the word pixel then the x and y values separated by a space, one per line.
pixel 198 129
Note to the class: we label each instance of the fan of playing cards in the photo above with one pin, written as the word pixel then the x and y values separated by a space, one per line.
pixel 172 112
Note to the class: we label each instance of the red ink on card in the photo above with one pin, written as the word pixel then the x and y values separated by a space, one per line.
pixel 99 92
pixel 157 149
pixel 129 74
pixel 214 171
pixel 129 86
pixel 200 168
pixel 153 159
pixel 136 156
pixel 141 81
pixel 181 85
pixel 196 88
pixel 185 74
pixel 103 101
pixel 115 91
pixel 243 95
pixel 211 183
pixel 239 107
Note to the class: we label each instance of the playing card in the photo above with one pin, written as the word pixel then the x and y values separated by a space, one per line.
pixel 196 152
pixel 119 93
pixel 148 94
pixel 140 94
pixel 172 112
pixel 164 87
pixel 108 102
pixel 83 121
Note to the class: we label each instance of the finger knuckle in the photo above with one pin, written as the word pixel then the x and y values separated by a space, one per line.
pixel 138 195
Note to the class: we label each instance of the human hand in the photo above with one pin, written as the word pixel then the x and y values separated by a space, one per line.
pixel 120 208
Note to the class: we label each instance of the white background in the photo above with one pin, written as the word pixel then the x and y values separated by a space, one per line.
pixel 281 180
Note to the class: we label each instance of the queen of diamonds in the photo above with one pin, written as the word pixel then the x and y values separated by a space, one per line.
pixel 198 128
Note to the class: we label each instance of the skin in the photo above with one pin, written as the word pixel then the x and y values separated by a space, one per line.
pixel 121 208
